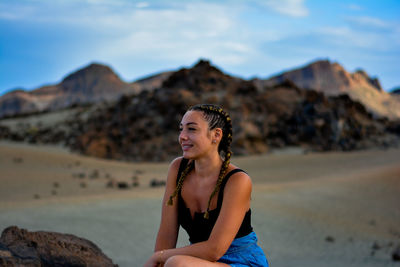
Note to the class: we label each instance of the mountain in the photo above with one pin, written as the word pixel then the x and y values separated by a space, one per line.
pixel 92 84
pixel 153 81
pixel 97 83
pixel 395 91
pixel 332 79
pixel 144 126
pixel 18 101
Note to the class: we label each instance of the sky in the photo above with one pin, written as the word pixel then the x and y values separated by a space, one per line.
pixel 42 41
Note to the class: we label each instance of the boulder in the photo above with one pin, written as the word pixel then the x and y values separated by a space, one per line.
pixel 19 247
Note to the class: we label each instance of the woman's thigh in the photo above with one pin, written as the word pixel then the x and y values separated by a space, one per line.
pixel 183 261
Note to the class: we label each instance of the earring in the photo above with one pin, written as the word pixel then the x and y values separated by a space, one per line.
pixel 214 141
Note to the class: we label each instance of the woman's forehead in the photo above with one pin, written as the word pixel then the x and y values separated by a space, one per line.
pixel 194 116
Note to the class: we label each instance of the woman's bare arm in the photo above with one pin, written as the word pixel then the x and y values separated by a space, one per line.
pixel 236 203
pixel 168 231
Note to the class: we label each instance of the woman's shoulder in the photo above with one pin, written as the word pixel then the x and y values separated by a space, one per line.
pixel 238 176
pixel 173 170
pixel 176 161
pixel 175 164
pixel 236 170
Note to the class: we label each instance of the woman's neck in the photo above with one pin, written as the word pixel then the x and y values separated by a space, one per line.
pixel 206 166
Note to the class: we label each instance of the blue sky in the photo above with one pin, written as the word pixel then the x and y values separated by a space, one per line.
pixel 42 41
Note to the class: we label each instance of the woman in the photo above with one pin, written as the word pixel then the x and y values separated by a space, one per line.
pixel 208 197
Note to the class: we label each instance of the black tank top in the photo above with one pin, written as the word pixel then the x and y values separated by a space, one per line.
pixel 199 228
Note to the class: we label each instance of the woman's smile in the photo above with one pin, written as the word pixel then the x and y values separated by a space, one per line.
pixel 186 147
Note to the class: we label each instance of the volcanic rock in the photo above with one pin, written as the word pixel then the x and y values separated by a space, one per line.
pixel 396 254
pixel 19 247
pixel 395 91
pixel 332 79
pixel 144 126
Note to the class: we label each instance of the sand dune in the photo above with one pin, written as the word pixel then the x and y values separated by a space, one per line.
pixel 308 209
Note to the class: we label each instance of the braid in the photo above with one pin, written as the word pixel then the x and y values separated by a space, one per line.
pixel 221 176
pixel 188 168
pixel 217 118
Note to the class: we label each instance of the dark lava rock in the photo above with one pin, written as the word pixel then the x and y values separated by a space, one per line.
pixel 123 185
pixel 19 247
pixel 376 246
pixel 396 254
pixel 330 239
pixel 156 183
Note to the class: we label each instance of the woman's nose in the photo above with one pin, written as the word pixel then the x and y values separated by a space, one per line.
pixel 182 135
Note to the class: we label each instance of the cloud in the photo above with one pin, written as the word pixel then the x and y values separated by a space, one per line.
pixel 120 29
pixel 354 7
pixel 369 22
pixel 182 34
pixel 349 37
pixel 15 11
pixel 292 8
pixel 70 13
pixel 142 5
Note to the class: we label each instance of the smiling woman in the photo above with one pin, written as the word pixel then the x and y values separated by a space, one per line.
pixel 209 197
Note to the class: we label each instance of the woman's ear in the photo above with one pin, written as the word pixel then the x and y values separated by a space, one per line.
pixel 217 134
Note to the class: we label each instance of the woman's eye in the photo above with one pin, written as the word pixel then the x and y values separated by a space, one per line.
pixel 192 129
pixel 180 129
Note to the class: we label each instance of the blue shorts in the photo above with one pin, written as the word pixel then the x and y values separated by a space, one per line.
pixel 244 251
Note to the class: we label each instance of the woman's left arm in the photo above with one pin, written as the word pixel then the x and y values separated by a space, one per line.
pixel 235 204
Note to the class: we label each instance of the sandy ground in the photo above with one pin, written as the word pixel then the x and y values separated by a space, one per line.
pixel 299 203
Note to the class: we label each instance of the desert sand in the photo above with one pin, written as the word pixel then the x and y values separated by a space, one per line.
pixel 314 209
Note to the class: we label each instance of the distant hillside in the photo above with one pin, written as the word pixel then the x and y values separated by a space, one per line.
pixel 332 79
pixel 92 84
pixel 395 91
pixel 144 126
pixel 96 83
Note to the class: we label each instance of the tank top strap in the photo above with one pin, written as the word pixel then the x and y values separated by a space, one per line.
pixel 224 181
pixel 182 166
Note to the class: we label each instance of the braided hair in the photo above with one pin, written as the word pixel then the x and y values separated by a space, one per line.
pixel 216 118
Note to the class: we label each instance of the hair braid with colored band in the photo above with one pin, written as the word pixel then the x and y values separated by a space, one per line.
pixel 217 118
pixel 188 168
pixel 226 125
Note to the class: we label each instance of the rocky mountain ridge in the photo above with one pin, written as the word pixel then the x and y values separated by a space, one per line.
pixel 332 79
pixel 395 91
pixel 144 126
pixel 323 75
pixel 92 84
pixel 97 83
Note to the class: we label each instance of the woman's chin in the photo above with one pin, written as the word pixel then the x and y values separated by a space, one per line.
pixel 188 155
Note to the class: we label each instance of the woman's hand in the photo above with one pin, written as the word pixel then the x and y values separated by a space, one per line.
pixel 154 260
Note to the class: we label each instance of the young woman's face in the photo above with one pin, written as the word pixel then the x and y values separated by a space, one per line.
pixel 195 137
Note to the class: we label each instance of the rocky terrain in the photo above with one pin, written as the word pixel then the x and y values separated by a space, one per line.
pixel 144 126
pixel 395 91
pixel 19 247
pixel 98 83
pixel 332 79
pixel 95 83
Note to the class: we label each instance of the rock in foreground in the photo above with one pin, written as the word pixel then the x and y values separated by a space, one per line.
pixel 19 247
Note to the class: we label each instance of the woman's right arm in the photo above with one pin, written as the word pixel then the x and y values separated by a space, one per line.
pixel 169 228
